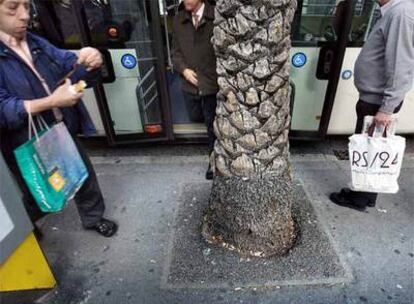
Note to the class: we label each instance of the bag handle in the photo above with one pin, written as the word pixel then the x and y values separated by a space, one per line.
pixel 370 128
pixel 377 131
pixel 41 121
pixel 32 126
pixel 31 123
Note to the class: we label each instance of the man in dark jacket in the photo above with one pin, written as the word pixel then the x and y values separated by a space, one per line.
pixel 194 59
pixel 30 73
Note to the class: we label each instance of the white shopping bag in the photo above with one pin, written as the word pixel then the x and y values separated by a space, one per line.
pixel 376 160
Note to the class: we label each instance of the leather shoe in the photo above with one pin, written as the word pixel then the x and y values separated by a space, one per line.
pixel 105 227
pixel 343 198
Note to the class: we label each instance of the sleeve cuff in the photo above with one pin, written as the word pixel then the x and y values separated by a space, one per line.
pixel 389 107
pixel 80 73
pixel 21 110
pixel 181 69
pixel 386 110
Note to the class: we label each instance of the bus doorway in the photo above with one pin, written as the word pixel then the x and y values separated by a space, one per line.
pixel 327 37
pixel 131 104
pixel 342 114
pixel 319 36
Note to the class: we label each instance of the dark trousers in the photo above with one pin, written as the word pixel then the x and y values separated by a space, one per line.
pixel 203 109
pixel 89 199
pixel 366 109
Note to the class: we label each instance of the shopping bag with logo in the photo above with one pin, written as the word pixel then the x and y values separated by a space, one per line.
pixel 51 165
pixel 376 160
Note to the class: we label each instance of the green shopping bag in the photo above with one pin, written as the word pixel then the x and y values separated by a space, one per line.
pixel 51 165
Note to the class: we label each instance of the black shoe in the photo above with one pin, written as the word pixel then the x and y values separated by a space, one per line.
pixel 347 191
pixel 343 199
pixel 209 173
pixel 105 227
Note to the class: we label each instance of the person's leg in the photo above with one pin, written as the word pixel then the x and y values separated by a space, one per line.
pixel 90 202
pixel 29 203
pixel 89 199
pixel 364 109
pixel 193 106
pixel 209 104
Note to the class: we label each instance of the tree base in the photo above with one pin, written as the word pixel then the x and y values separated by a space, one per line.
pixel 251 216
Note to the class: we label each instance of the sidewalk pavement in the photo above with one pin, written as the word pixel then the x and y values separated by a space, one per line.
pixel 143 194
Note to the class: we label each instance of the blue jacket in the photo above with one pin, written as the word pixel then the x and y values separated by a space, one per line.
pixel 19 83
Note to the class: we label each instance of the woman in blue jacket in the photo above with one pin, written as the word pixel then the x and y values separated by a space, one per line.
pixel 30 71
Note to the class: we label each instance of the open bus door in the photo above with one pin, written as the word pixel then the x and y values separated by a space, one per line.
pixel 342 114
pixel 319 37
pixel 132 103
pixel 327 36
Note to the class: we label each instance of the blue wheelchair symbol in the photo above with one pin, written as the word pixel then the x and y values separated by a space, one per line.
pixel 129 61
pixel 347 74
pixel 299 60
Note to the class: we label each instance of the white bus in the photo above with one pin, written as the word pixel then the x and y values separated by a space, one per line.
pixel 140 98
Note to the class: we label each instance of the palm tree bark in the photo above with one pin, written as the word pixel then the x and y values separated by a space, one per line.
pixel 250 203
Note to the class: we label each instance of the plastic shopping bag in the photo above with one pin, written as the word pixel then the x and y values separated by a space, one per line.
pixel 51 166
pixel 375 160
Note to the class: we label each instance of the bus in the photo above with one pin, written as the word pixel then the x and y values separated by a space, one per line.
pixel 140 99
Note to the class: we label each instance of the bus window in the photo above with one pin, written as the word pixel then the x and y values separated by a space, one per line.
pixel 366 13
pixel 124 28
pixel 54 20
pixel 168 9
pixel 313 22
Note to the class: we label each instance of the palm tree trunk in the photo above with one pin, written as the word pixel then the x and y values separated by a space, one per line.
pixel 250 203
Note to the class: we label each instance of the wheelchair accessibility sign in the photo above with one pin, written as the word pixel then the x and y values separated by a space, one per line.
pixel 129 61
pixel 299 60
